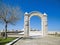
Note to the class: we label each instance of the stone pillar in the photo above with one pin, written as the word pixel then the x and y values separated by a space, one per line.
pixel 26 25
pixel 44 25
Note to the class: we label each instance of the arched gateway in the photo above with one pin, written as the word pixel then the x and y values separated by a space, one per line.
pixel 27 17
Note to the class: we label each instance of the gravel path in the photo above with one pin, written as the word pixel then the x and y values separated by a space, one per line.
pixel 49 40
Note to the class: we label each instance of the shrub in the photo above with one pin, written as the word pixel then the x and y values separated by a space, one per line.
pixel 2 34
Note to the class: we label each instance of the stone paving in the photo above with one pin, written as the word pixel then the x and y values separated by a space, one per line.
pixel 49 40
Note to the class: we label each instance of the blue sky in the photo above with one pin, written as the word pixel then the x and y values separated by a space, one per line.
pixel 51 7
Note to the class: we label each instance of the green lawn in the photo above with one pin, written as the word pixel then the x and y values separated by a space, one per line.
pixel 4 41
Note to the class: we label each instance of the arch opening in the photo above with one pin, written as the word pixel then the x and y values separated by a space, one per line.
pixel 35 26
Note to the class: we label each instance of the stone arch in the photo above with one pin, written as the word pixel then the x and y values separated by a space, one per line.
pixel 27 22
pixel 35 13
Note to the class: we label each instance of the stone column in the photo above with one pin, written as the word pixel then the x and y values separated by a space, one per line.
pixel 26 25
pixel 44 25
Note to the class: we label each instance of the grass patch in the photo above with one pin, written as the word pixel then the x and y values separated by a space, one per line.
pixel 4 41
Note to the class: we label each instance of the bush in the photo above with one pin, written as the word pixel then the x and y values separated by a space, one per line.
pixel 56 33
pixel 2 34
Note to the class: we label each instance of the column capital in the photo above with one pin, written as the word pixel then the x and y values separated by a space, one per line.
pixel 26 12
pixel 45 13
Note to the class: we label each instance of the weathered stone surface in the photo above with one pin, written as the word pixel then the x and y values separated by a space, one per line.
pixel 27 17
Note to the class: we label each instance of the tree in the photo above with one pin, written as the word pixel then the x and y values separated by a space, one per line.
pixel 9 15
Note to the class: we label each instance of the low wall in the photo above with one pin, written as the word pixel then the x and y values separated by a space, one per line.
pixel 53 32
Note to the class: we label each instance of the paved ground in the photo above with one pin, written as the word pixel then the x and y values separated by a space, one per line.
pixel 37 40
